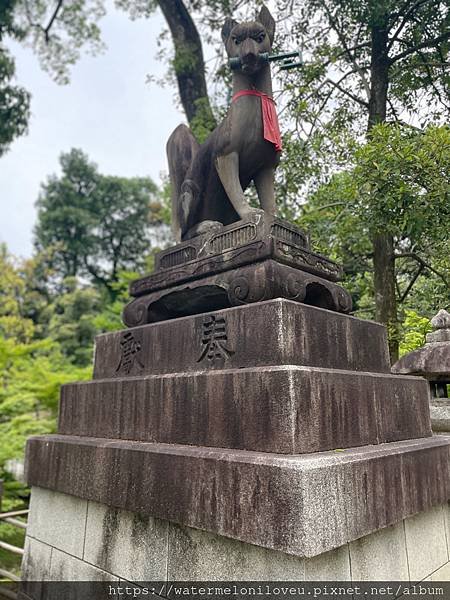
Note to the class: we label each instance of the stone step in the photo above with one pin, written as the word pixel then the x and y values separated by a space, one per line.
pixel 287 409
pixel 303 505
pixel 275 332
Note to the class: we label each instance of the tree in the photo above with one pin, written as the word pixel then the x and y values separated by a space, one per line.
pixel 14 100
pixel 31 370
pixel 399 184
pixel 57 31
pixel 95 225
pixel 367 62
pixel 188 64
pixel 13 322
pixel 71 321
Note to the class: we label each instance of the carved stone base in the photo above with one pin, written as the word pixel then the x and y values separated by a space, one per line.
pixel 258 259
pixel 243 285
pixel 259 238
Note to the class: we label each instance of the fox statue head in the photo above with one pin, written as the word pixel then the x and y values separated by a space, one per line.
pixel 247 43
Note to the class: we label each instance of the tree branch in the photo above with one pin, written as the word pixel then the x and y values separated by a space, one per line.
pixel 189 61
pixel 423 263
pixel 52 20
pixel 404 21
pixel 403 297
pixel 347 50
pixel 426 44
pixel 349 94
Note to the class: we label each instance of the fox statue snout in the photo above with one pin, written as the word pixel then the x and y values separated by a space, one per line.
pixel 209 180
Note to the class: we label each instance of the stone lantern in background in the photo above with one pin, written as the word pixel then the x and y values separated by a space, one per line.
pixel 432 361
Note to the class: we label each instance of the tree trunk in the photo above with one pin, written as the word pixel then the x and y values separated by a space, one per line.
pixel 383 243
pixel 189 66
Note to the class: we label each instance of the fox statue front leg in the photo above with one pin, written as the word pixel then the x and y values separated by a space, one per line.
pixel 228 170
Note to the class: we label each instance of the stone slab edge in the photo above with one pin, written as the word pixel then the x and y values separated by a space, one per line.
pixel 302 505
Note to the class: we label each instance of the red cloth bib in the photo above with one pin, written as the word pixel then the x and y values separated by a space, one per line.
pixel 269 116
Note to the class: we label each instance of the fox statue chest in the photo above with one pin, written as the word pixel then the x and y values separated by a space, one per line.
pixel 242 131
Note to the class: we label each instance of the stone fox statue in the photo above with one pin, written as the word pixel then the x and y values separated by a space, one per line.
pixel 208 180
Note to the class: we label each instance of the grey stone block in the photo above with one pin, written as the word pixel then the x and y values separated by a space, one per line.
pixel 330 566
pixel 36 561
pixel 263 334
pixel 440 415
pixel 58 520
pixel 65 567
pixel 380 556
pixel 132 546
pixel 35 571
pixel 426 543
pixel 442 574
pixel 196 555
pixel 446 512
pixel 288 409
pixel 303 504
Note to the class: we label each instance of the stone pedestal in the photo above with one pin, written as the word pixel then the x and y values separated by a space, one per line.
pixel 245 262
pixel 273 429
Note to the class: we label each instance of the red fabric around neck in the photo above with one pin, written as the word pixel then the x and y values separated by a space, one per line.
pixel 269 116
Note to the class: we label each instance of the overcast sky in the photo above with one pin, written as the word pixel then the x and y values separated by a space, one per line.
pixel 108 110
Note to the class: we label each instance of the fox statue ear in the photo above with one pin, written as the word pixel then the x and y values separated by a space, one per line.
pixel 266 19
pixel 227 27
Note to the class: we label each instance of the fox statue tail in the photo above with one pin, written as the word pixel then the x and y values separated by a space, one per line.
pixel 181 149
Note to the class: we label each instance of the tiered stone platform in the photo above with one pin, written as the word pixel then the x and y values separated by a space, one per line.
pixel 276 423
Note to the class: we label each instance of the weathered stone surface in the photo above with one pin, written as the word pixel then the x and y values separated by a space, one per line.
pixel 441 323
pixel 289 409
pixel 330 566
pixel 196 555
pixel 440 415
pixel 36 560
pixel 68 568
pixel 426 531
pixel 129 545
pixel 35 570
pixel 58 521
pixel 302 505
pixel 432 361
pixel 275 332
pixel 260 238
pixel 442 574
pixel 380 556
pixel 257 282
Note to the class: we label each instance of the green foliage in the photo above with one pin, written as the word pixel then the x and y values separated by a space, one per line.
pixel 14 103
pixel 16 537
pixel 203 122
pixel 94 225
pixel 13 322
pixel 398 183
pixel 71 321
pixel 402 177
pixel 110 318
pixel 31 375
pixel 57 32
pixel 415 328
pixel 89 225
pixel 31 372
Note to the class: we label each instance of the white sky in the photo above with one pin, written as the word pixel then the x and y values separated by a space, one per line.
pixel 108 110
